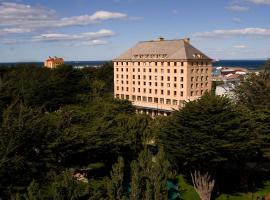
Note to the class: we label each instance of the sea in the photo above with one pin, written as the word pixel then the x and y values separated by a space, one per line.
pixel 249 64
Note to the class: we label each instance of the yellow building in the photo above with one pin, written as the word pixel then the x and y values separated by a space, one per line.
pixel 159 75
pixel 53 62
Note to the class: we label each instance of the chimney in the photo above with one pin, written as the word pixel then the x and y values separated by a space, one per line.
pixel 187 40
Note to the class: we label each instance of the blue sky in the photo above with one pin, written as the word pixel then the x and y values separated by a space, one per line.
pixel 102 29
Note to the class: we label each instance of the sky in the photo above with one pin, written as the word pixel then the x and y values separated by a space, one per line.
pixel 90 30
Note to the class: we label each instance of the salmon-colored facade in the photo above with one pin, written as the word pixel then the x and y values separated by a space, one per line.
pixel 159 76
pixel 53 62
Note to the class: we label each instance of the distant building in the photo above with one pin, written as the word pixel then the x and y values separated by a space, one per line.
pixel 53 62
pixel 158 76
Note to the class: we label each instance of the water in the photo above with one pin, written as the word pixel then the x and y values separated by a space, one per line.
pixel 249 64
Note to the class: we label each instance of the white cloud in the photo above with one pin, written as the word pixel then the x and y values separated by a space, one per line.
pixel 89 37
pixel 234 32
pixel 266 2
pixel 237 20
pixel 237 7
pixel 239 46
pixel 23 18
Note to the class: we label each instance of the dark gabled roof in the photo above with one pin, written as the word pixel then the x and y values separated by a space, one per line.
pixel 163 49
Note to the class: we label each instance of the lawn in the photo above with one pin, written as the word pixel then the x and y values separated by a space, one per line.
pixel 188 193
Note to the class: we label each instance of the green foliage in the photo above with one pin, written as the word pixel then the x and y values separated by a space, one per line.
pixel 254 92
pixel 115 184
pixel 149 176
pixel 210 131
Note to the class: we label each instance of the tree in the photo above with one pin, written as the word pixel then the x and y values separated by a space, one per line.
pixel 254 91
pixel 203 184
pixel 149 176
pixel 115 184
pixel 211 135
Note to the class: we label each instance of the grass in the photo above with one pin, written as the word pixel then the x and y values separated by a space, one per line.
pixel 188 192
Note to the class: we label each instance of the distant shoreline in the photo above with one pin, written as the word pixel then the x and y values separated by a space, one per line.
pixel 249 64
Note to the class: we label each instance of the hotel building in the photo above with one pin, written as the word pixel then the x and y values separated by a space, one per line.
pixel 53 62
pixel 159 76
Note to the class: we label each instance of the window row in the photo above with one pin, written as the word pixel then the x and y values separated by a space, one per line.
pixel 150 70
pixel 197 92
pixel 151 99
pixel 150 84
pixel 198 78
pixel 144 77
pixel 149 63
pixel 194 63
pixel 152 91
pixel 199 70
pixel 197 85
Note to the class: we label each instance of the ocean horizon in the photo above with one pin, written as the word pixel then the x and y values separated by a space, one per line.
pixel 249 64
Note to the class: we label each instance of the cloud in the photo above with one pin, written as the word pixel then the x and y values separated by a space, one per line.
pixel 266 2
pixel 239 46
pixel 237 20
pixel 88 37
pixel 237 7
pixel 22 18
pixel 234 32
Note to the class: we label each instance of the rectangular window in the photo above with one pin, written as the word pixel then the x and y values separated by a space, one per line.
pixel 156 100
pixel 144 90
pixel 139 77
pixel 168 78
pixel 162 78
pixel 156 84
pixel 182 79
pixel 133 97
pixel 175 63
pixel 139 90
pixel 175 85
pixel 150 99
pixel 139 70
pixel 175 71
pixel 139 98
pixel 182 63
pixel 139 83
pixel 144 98
pixel 191 93
pixel 133 69
pixel 133 89
pixel 144 77
pixel 168 92
pixel 144 83
pixel 117 69
pixel 168 101
pixel 122 69
pixel 127 97
pixel 175 78
pixel 161 92
pixel 150 91
pixel 144 70
pixel 150 83
pixel 181 93
pixel 182 71
pixel 150 70
pixel 168 85
pixel 174 93
pixel 150 77
pixel 168 71
pixel 126 69
pixel 155 91
pixel 161 100
pixel 174 102
pixel 155 70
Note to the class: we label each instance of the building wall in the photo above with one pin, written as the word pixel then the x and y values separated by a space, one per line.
pixel 161 85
